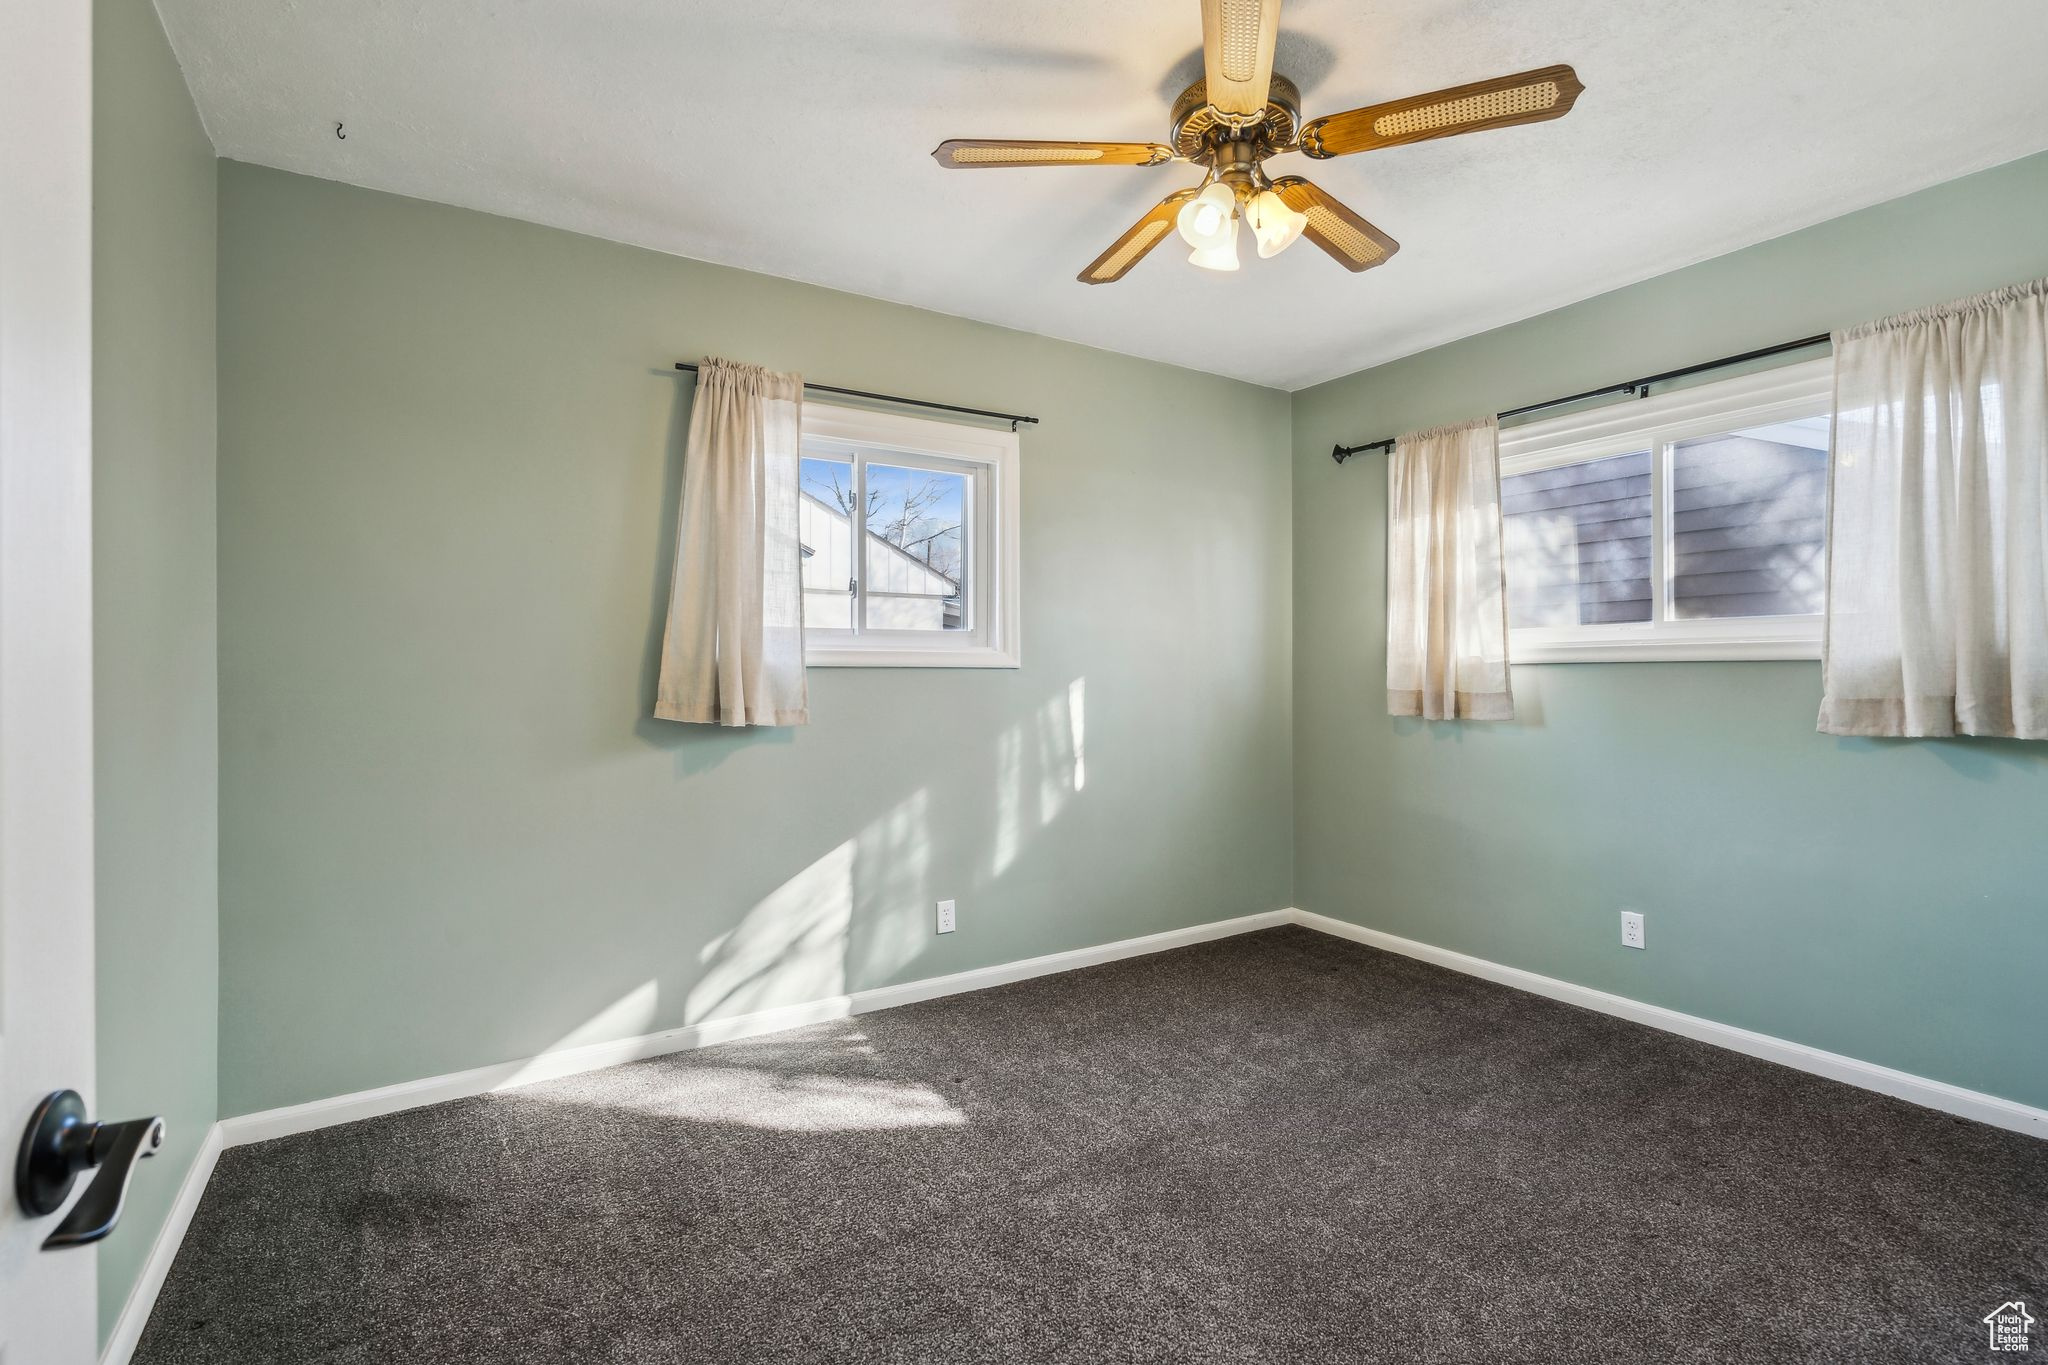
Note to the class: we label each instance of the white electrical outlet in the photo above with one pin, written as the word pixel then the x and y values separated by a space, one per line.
pixel 1631 929
pixel 945 917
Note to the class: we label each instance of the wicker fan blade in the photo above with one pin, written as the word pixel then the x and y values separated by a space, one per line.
pixel 1354 243
pixel 966 153
pixel 1237 52
pixel 1127 250
pixel 1529 97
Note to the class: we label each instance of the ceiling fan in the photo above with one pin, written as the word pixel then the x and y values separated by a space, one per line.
pixel 1244 112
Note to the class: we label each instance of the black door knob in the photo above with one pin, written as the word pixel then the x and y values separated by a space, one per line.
pixel 60 1143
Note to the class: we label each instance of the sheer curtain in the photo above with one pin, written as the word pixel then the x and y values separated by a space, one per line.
pixel 1937 616
pixel 1447 625
pixel 733 653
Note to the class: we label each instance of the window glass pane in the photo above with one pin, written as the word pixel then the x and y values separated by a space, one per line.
pixel 1748 515
pixel 1577 542
pixel 916 548
pixel 825 524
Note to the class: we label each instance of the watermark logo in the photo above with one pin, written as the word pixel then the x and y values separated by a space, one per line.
pixel 2010 1325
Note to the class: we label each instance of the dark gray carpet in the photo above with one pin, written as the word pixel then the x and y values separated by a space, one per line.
pixel 1281 1147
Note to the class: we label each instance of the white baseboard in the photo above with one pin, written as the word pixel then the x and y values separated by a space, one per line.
pixel 142 1297
pixel 389 1099
pixel 1952 1099
pixel 300 1118
pixel 363 1104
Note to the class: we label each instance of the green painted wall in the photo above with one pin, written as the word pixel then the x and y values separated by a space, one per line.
pixel 450 452
pixel 155 701
pixel 450 447
pixel 1880 899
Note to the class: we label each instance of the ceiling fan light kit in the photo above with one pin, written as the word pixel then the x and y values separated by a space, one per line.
pixel 1208 223
pixel 1240 115
pixel 1216 257
pixel 1273 223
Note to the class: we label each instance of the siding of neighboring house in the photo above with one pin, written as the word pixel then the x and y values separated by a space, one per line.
pixel 919 593
pixel 1578 542
pixel 1746 534
pixel 1748 527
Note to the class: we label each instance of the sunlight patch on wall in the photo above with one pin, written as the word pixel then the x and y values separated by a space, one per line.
pixel 1009 827
pixel 1077 729
pixel 631 1015
pixel 789 949
pixel 892 889
pixel 798 945
pixel 1043 755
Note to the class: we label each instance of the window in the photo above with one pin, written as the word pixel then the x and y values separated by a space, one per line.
pixel 1685 526
pixel 909 534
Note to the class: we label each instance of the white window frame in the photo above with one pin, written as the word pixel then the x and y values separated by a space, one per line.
pixel 1657 424
pixel 995 604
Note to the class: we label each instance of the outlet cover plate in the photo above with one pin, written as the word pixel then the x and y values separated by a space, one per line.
pixel 1631 929
pixel 945 917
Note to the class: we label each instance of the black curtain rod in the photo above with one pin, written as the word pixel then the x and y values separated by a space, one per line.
pixel 1639 387
pixel 1011 417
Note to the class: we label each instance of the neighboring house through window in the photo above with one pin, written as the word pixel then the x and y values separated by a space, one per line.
pixel 1685 526
pixel 909 534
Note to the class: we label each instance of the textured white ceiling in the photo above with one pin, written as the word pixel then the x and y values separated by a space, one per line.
pixel 793 137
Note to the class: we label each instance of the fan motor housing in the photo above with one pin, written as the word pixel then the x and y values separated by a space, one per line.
pixel 1198 126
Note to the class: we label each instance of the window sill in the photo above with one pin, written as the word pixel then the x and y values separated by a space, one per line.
pixel 1759 646
pixel 851 657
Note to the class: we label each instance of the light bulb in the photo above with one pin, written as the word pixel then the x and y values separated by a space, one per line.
pixel 1221 256
pixel 1274 223
pixel 1209 219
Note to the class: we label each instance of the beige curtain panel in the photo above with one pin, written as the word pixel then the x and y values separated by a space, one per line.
pixel 1937 615
pixel 1447 625
pixel 734 650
